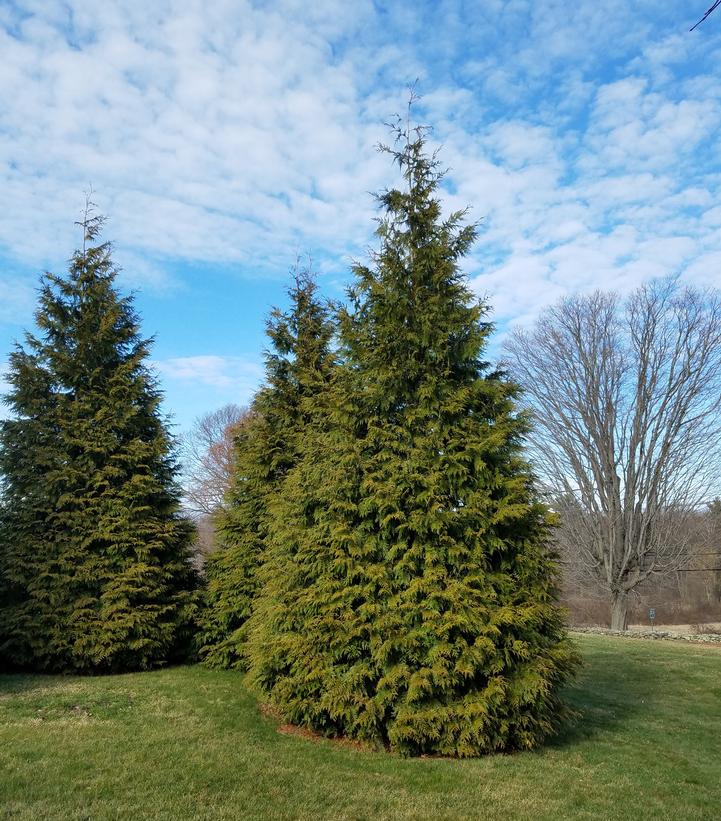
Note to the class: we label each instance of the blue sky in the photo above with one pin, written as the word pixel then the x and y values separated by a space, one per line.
pixel 225 139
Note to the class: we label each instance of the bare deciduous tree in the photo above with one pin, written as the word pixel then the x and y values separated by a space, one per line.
pixel 625 397
pixel 207 456
pixel 207 453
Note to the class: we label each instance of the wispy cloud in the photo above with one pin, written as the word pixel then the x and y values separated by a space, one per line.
pixel 237 134
pixel 193 385
pixel 208 133
pixel 225 372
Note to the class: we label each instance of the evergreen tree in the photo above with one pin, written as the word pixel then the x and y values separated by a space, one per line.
pixel 297 367
pixel 413 600
pixel 93 550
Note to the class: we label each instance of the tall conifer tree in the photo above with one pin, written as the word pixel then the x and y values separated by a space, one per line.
pixel 93 549
pixel 298 364
pixel 413 601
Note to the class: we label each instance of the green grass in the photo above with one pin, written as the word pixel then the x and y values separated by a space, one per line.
pixel 191 743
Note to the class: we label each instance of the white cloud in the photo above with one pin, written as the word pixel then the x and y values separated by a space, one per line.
pixel 214 371
pixel 194 384
pixel 208 133
pixel 627 196
pixel 235 132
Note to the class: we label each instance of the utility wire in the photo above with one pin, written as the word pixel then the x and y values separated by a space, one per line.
pixel 713 8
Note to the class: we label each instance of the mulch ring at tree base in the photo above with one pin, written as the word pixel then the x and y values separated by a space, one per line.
pixel 272 712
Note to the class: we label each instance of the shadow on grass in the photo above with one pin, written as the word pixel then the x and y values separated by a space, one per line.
pixel 45 698
pixel 19 680
pixel 19 684
pixel 612 688
pixel 615 685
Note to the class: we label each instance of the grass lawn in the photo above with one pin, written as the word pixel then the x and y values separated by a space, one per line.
pixel 191 743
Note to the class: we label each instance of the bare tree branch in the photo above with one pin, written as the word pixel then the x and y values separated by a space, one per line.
pixel 207 457
pixel 626 399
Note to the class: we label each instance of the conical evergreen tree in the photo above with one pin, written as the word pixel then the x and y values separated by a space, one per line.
pixel 413 600
pixel 298 365
pixel 93 550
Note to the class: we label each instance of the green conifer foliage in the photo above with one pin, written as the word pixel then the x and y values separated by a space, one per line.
pixel 413 599
pixel 298 365
pixel 93 550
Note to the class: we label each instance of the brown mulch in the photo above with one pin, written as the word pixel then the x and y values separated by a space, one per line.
pixel 271 711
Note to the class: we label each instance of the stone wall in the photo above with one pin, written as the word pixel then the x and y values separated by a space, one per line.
pixel 651 634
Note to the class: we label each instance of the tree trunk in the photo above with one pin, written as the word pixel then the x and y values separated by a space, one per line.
pixel 619 610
